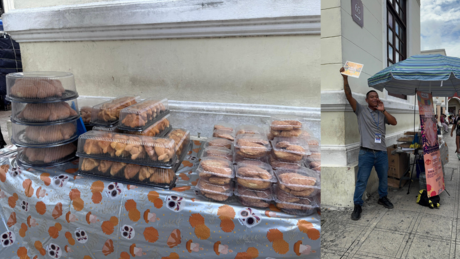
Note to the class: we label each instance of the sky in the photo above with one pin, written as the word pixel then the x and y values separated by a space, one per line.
pixel 440 25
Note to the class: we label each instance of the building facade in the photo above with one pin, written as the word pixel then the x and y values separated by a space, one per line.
pixel 390 32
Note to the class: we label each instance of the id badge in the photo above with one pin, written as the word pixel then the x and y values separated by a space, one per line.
pixel 378 138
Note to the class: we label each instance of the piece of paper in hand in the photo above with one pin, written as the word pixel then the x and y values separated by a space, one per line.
pixel 352 69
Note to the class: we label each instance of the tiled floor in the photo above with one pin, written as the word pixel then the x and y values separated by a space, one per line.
pixel 407 231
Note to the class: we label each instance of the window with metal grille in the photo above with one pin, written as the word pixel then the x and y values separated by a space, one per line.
pixel 396 34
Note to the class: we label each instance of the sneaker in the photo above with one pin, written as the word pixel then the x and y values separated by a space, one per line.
pixel 386 202
pixel 356 215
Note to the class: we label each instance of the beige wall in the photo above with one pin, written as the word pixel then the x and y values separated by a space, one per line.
pixel 257 70
pixel 22 4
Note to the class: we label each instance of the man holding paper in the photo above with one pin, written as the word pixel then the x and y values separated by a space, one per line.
pixel 373 152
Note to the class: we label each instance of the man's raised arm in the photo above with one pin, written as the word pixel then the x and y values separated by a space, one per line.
pixel 348 94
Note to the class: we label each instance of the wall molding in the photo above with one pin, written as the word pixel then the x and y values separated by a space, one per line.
pixel 335 101
pixel 174 19
pixel 346 155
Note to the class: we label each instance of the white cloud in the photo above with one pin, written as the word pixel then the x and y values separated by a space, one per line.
pixel 440 25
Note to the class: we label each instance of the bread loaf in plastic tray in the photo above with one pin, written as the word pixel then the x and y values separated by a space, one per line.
pixel 254 198
pixel 302 182
pixel 44 157
pixel 44 134
pixel 125 172
pixel 108 113
pixel 126 148
pixel 142 115
pixel 252 146
pixel 214 192
pixel 44 112
pixel 290 149
pixel 181 138
pixel 39 87
pixel 254 175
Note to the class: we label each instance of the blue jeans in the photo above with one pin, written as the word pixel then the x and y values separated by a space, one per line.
pixel 367 160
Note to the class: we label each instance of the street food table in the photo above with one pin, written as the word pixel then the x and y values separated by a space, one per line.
pixel 57 213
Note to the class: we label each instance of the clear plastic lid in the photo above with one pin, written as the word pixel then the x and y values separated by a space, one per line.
pixel 40 86
pixel 127 172
pixel 86 106
pixel 143 114
pixel 248 193
pixel 40 136
pixel 181 137
pixel 254 175
pixel 107 113
pixel 47 156
pixel 158 129
pixel 106 129
pixel 239 158
pixel 219 142
pixel 250 130
pixel 276 164
pixel 301 182
pixel 314 165
pixel 290 149
pixel 252 146
pixel 44 112
pixel 218 152
pixel 147 151
pixel 224 126
pixel 284 123
pixel 215 167
pixel 283 196
pixel 223 134
pixel 85 113
pixel 298 209
pixel 214 191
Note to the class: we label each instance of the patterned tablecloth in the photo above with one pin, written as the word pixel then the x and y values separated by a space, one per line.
pixel 57 213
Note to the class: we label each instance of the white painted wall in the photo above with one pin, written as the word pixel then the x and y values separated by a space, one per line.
pixel 434 51
pixel 24 4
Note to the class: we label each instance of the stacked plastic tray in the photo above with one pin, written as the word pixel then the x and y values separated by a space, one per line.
pixel 44 116
pixel 127 157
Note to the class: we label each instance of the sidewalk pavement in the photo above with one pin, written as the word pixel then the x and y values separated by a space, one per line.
pixel 407 231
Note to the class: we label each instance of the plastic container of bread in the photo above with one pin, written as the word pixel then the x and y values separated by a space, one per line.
pixel 43 134
pixel 213 192
pixel 290 149
pixel 237 158
pixel 224 126
pixel 108 113
pixel 302 182
pixel 218 152
pixel 313 143
pixel 252 146
pixel 276 164
pixel 301 206
pixel 250 129
pixel 254 175
pixel 106 129
pixel 254 198
pixel 181 139
pixel 284 127
pixel 142 115
pixel 159 129
pixel 44 112
pixel 44 157
pixel 86 105
pixel 40 87
pixel 125 172
pixel 216 170
pixel 314 162
pixel 224 134
pixel 125 148
pixel 219 142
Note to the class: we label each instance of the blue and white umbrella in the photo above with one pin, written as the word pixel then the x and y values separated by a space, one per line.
pixel 436 74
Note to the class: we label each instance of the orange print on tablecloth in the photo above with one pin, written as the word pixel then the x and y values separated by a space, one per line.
pixel 150 216
pixel 171 256
pixel 69 217
pixel 11 220
pixel 154 197
pixel 23 230
pixel 3 170
pixel 77 202
pixel 97 188
pixel 226 215
pixel 70 239
pixel 90 218
pixel 196 150
pixel 12 200
pixel 300 249
pixel 151 234
pixel 201 230
pixel 181 189
pixel 40 193
pixel 308 228
pixel 219 248
pixel 187 163
pixel 39 246
pixel 54 230
pixel 57 211
pixel 28 189
pixel 22 253
pixel 40 207
pixel 251 253
pixel 272 207
pixel 31 222
pixel 71 170
pixel 124 255
pixel 108 247
pixel 194 183
pixel 136 251
pixel 270 214
pixel 174 238
pixel 276 237
pixel 87 257
pixel 109 226
pixel 45 177
pixel 197 143
pixel 133 213
pixel 184 177
pixel 193 247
